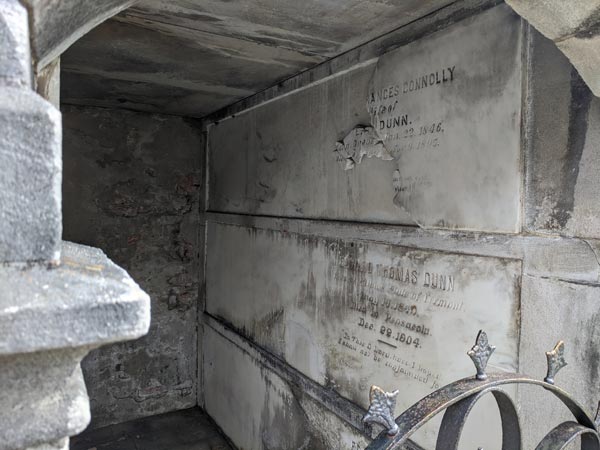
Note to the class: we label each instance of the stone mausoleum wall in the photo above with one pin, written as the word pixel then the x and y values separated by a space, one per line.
pixel 132 186
pixel 366 218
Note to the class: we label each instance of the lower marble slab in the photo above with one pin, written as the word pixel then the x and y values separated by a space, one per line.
pixel 257 409
pixel 349 314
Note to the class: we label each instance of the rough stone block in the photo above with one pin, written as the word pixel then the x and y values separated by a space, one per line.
pixel 557 18
pixel 43 398
pixel 106 304
pixel 15 59
pixel 554 310
pixel 50 318
pixel 30 180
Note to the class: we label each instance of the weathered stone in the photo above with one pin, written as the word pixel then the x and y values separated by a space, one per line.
pixel 257 409
pixel 543 256
pixel 554 310
pixel 50 318
pixel 62 444
pixel 132 184
pixel 557 18
pixel 573 26
pixel 48 82
pixel 562 190
pixel 359 143
pixel 260 164
pixel 43 397
pixel 56 24
pixel 349 314
pixel 108 305
pixel 30 157
pixel 271 44
pixel 584 53
pixel 187 429
pixel 15 60
pixel 453 128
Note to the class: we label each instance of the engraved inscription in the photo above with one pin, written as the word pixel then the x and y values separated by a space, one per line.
pixel 396 127
pixel 350 314
pixel 447 110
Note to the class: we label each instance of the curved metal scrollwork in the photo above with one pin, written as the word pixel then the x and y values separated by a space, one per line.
pixel 457 399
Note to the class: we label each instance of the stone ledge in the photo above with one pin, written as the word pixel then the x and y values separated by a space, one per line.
pixel 85 301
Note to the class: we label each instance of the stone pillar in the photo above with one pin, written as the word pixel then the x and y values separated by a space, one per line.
pixel 57 300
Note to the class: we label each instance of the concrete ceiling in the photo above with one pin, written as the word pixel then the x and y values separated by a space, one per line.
pixel 193 57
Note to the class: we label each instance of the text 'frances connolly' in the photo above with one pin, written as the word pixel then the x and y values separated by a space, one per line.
pixel 441 76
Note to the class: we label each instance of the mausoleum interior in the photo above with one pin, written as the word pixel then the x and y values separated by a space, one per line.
pixel 224 222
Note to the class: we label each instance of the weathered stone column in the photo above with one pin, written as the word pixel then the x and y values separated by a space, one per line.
pixel 57 300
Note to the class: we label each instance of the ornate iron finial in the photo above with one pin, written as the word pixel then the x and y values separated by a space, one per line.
pixel 556 361
pixel 381 409
pixel 597 418
pixel 480 354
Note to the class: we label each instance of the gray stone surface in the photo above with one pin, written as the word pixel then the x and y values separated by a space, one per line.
pixel 270 41
pixel 583 51
pixel 62 444
pixel 573 26
pixel 56 24
pixel 30 157
pixel 554 310
pixel 557 18
pixel 562 188
pixel 349 314
pixel 260 410
pixel 50 317
pixel 87 286
pixel 43 397
pixel 567 259
pixel 189 429
pixel 280 158
pixel 15 60
pixel 48 82
pixel 448 108
pixel 132 184
pixel 558 299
